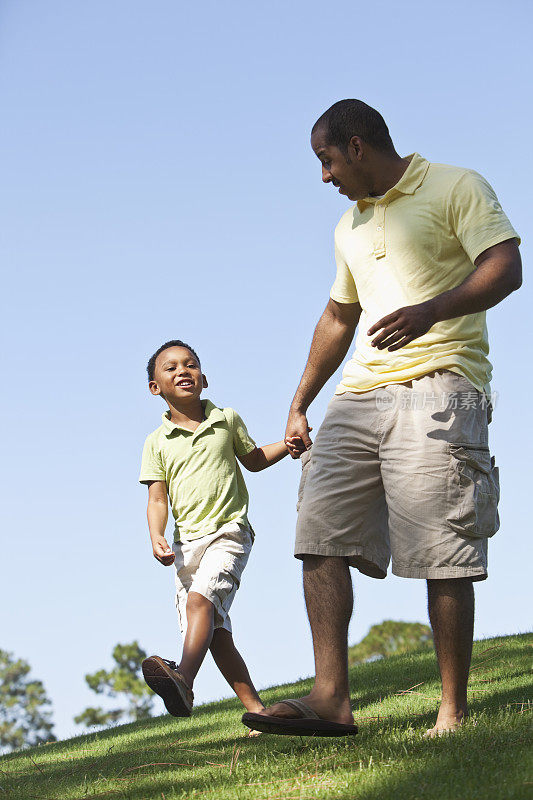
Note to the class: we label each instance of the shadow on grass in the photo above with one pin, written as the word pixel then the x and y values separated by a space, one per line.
pixel 370 683
pixel 484 764
pixel 122 758
pixel 436 768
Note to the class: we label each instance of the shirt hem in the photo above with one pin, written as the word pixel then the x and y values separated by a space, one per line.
pixel 240 520
pixel 340 298
pixel 147 478
pixel 343 387
pixel 246 452
pixel 498 238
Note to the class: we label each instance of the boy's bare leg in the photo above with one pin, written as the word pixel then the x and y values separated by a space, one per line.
pixel 451 613
pixel 232 666
pixel 329 601
pixel 200 626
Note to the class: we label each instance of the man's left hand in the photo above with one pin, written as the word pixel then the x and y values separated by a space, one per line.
pixel 404 325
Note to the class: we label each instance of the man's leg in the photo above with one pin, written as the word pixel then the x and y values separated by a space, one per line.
pixel 329 601
pixel 451 613
pixel 232 666
pixel 200 626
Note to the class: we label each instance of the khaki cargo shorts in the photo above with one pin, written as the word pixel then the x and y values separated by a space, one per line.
pixel 212 566
pixel 403 471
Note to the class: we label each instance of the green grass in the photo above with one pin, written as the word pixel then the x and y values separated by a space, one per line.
pixel 394 702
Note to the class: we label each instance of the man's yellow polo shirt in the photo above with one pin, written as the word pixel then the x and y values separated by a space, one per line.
pixel 204 481
pixel 418 240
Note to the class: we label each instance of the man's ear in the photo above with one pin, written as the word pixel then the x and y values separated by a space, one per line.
pixel 154 388
pixel 204 381
pixel 355 148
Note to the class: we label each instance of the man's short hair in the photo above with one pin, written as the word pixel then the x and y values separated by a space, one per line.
pixel 348 118
pixel 173 343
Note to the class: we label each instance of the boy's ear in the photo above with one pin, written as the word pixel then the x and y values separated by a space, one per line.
pixel 154 388
pixel 204 381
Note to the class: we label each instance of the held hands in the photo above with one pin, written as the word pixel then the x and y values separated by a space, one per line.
pixel 297 434
pixel 164 554
pixel 403 325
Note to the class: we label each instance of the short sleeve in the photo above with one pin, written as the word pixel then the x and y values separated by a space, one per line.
pixel 242 441
pixel 343 290
pixel 476 215
pixel 151 466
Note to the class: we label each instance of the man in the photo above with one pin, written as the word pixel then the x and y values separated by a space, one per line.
pixel 401 464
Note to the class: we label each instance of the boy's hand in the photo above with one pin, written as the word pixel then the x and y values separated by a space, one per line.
pixel 295 445
pixel 164 554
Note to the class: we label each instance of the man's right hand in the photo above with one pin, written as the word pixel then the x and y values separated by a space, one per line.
pixel 297 431
pixel 331 340
pixel 164 554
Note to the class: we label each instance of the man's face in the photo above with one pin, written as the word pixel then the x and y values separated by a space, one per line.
pixel 177 376
pixel 342 170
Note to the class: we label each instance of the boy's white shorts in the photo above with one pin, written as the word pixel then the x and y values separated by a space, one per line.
pixel 212 566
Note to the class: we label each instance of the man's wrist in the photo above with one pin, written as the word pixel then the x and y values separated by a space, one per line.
pixel 298 408
pixel 436 308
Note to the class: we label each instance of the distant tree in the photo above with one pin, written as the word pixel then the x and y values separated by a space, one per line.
pixel 124 680
pixel 25 714
pixel 391 638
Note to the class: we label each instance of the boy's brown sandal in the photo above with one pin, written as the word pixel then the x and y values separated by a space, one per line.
pixel 164 679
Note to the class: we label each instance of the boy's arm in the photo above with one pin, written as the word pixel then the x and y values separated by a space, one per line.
pixel 255 458
pixel 262 457
pixel 157 514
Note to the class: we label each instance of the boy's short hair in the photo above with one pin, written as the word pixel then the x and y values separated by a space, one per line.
pixel 172 343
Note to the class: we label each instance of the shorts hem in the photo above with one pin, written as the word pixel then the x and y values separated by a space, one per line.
pixel 221 616
pixel 436 573
pixel 355 555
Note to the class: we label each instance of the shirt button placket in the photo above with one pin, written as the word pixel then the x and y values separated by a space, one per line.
pixel 379 235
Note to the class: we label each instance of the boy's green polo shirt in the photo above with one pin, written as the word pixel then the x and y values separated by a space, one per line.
pixel 204 481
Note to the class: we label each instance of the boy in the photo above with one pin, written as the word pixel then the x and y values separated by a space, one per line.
pixel 192 458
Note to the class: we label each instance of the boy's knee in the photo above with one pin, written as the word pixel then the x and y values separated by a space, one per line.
pixel 197 602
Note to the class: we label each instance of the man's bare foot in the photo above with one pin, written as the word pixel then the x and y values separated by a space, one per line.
pixel 328 708
pixel 448 721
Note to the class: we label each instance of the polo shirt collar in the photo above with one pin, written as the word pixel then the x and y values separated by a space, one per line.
pixel 408 184
pixel 212 415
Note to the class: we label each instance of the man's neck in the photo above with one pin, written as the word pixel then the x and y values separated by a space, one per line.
pixel 188 416
pixel 387 172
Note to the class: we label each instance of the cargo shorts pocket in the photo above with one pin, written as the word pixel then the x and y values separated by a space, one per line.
pixel 473 491
pixel 232 569
pixel 223 585
pixel 235 558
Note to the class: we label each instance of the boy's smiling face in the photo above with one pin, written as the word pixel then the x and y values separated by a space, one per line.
pixel 177 376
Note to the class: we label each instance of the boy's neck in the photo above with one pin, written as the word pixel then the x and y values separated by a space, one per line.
pixel 188 416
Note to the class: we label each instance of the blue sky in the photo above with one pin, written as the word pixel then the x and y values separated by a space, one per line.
pixel 157 182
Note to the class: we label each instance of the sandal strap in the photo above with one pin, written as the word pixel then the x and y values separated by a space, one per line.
pixel 306 711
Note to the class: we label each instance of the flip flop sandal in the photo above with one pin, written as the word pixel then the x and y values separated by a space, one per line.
pixel 164 679
pixel 307 724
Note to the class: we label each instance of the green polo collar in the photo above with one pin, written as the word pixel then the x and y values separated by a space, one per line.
pixel 412 178
pixel 212 415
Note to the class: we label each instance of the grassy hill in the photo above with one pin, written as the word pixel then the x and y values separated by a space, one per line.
pixel 394 702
